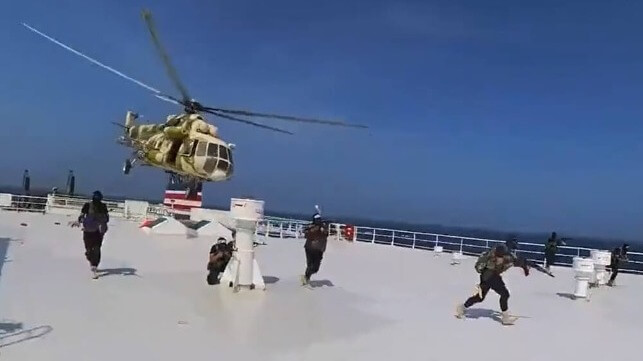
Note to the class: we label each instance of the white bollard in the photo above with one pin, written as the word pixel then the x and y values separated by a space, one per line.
pixel 601 260
pixel 243 269
pixel 457 257
pixel 584 271
pixel 437 250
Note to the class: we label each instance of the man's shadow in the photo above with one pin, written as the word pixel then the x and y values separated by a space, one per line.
pixel 10 327
pixel 14 332
pixel 476 313
pixel 320 283
pixel 123 271
pixel 569 296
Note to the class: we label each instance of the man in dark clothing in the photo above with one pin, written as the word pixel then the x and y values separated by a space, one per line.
pixel 618 255
pixel 220 255
pixel 490 265
pixel 551 248
pixel 315 246
pixel 94 218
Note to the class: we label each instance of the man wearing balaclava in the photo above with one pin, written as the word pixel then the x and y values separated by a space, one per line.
pixel 94 218
pixel 619 256
pixel 315 246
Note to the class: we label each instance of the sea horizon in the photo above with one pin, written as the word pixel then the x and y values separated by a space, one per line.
pixel 537 237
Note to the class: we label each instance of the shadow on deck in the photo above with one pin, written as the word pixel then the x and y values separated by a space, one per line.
pixel 12 333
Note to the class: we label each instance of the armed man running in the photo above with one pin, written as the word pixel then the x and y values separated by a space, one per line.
pixel 490 265
pixel 315 246
pixel 551 248
pixel 94 218
pixel 618 255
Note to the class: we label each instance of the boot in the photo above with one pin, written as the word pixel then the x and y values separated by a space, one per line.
pixel 304 280
pixel 459 311
pixel 94 273
pixel 507 319
pixel 610 283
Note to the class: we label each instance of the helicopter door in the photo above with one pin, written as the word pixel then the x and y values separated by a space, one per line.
pixel 189 148
pixel 173 152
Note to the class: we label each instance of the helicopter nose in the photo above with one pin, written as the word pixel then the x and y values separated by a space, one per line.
pixel 220 175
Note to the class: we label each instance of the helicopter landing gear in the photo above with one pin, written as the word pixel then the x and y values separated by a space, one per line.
pixel 127 166
pixel 191 190
pixel 192 186
pixel 129 163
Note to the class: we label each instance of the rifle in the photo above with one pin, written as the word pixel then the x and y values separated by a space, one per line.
pixel 522 261
pixel 538 267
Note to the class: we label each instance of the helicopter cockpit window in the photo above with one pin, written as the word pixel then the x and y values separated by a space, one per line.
pixel 200 149
pixel 210 163
pixel 213 150
pixel 223 152
pixel 222 165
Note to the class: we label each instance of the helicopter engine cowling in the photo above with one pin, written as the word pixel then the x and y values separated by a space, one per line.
pixel 205 128
pixel 175 133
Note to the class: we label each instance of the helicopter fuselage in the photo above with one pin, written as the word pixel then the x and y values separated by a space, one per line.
pixel 185 145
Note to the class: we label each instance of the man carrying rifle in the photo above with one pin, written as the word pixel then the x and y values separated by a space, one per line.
pixel 619 255
pixel 551 248
pixel 315 246
pixel 490 265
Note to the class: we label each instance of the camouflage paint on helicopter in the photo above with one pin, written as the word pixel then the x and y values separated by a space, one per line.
pixel 185 145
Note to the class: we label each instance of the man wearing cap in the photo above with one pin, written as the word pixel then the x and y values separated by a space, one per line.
pixel 316 237
pixel 490 265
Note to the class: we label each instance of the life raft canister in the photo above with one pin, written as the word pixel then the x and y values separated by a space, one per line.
pixel 348 232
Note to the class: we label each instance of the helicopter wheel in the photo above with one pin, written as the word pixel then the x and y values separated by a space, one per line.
pixel 191 191
pixel 127 166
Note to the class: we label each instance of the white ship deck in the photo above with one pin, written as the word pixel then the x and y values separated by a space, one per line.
pixel 372 302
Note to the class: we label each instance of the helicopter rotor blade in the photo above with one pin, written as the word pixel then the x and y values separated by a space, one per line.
pixel 169 99
pixel 229 117
pixel 286 117
pixel 156 92
pixel 171 71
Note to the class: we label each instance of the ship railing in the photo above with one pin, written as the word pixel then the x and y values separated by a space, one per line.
pixel 471 246
pixel 22 203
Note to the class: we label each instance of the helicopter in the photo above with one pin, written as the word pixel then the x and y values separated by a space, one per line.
pixel 186 146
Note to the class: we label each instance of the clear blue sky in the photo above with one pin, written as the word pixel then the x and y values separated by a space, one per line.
pixel 504 114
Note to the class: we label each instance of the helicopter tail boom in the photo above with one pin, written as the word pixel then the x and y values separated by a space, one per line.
pixel 130 118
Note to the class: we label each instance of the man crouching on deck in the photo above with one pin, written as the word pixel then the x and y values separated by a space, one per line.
pixel 490 265
pixel 315 246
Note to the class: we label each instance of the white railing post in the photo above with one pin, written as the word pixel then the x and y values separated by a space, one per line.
pixel 461 244
pixel 436 240
pixel 414 234
pixel 393 238
pixel 373 240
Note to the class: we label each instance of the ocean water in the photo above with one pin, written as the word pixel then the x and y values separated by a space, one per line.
pixel 408 235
